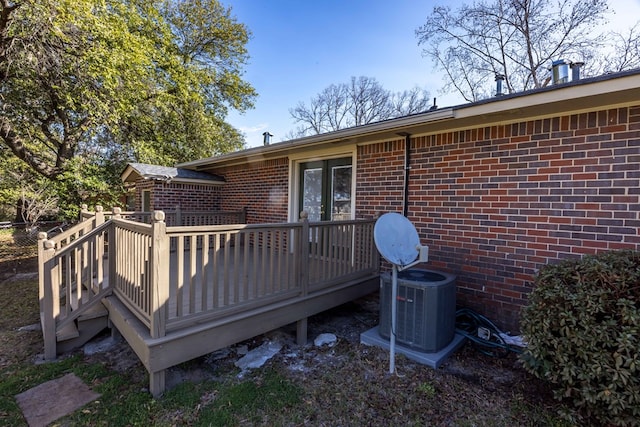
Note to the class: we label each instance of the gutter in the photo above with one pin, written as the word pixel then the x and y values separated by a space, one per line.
pixel 388 126
pixel 583 95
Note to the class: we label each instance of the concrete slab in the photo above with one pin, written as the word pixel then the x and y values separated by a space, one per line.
pixel 434 360
pixel 43 404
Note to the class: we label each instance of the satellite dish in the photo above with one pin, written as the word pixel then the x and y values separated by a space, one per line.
pixel 396 239
pixel 398 242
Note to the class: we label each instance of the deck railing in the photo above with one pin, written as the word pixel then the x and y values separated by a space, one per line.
pixel 171 277
pixel 179 217
pixel 72 276
pixel 208 272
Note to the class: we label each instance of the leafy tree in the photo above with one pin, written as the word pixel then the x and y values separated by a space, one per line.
pixel 518 39
pixel 361 101
pixel 25 197
pixel 185 121
pixel 117 80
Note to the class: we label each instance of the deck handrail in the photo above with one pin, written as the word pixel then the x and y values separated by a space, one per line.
pixel 189 218
pixel 172 276
pixel 216 269
pixel 88 221
pixel 72 273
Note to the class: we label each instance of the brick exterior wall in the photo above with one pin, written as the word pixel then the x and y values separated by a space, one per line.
pixel 496 203
pixel 262 187
pixel 167 196
pixel 493 203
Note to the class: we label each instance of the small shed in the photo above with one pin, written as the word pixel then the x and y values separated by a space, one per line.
pixel 154 187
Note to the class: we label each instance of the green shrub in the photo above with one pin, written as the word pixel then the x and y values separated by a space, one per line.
pixel 582 327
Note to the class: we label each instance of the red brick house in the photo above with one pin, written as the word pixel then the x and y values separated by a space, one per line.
pixel 496 188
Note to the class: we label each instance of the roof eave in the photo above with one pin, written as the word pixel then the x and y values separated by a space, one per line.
pixel 609 90
pixel 344 135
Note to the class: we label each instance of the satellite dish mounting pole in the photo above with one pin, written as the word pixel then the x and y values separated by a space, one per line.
pixel 398 242
pixel 394 309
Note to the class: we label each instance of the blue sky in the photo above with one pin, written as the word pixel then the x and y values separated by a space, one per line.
pixel 300 47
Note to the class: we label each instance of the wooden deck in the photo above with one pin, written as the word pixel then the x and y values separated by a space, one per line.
pixel 176 293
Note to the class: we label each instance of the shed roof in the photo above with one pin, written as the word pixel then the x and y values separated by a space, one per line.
pixel 134 171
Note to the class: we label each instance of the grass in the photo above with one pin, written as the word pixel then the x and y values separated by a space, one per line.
pixel 347 384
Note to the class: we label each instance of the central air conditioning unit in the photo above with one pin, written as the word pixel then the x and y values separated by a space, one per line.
pixel 426 309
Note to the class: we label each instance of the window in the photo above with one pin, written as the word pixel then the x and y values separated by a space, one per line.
pixel 146 200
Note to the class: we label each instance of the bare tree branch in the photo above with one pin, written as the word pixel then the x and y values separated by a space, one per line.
pixel 516 38
pixel 361 101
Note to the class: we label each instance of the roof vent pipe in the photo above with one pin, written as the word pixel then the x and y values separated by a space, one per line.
pixel 560 71
pixel 499 80
pixel 575 70
pixel 266 138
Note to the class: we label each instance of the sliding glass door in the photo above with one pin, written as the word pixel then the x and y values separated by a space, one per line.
pixel 325 189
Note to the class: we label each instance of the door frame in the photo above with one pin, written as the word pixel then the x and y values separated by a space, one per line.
pixel 327 167
pixel 295 162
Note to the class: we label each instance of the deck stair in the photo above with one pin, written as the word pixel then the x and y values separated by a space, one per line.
pixel 78 332
pixel 90 320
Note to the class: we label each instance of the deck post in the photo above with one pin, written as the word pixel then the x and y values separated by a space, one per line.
pixel 48 296
pixel 111 265
pixel 99 218
pixel 303 266
pixel 84 212
pixel 157 383
pixel 178 216
pixel 301 331
pixel 159 275
pixel 112 246
pixel 42 236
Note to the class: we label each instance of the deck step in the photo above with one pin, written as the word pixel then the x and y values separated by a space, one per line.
pixel 77 333
pixel 86 331
pixel 98 310
pixel 68 332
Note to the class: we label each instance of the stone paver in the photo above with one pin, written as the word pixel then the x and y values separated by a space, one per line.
pixel 43 404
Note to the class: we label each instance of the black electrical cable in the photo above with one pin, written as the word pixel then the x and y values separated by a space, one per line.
pixel 483 333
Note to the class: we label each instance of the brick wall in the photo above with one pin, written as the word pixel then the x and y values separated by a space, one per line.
pixel 496 203
pixel 260 186
pixel 167 196
pixel 141 185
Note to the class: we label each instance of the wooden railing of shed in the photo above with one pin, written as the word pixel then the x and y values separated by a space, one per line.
pixel 173 277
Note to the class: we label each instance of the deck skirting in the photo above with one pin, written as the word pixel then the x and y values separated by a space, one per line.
pixel 158 354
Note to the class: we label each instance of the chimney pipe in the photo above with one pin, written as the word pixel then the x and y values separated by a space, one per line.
pixel 499 80
pixel 559 71
pixel 575 70
pixel 266 138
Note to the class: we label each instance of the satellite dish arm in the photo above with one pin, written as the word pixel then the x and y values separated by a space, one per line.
pixel 423 256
